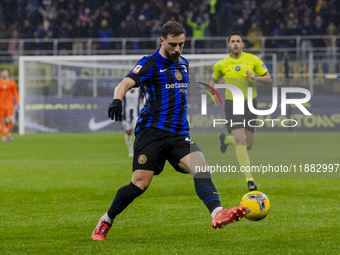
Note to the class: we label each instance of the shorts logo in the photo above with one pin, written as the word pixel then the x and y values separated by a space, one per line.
pixel 136 69
pixel 237 68
pixel 188 139
pixel 178 75
pixel 142 159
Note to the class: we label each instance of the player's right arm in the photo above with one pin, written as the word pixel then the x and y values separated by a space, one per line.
pixel 123 87
pixel 115 108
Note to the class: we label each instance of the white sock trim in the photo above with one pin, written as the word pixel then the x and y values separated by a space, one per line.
pixel 107 219
pixel 215 211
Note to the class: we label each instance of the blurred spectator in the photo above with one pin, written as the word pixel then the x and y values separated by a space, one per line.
pixel 280 12
pixel 28 33
pixel 33 15
pixel 143 30
pixel 254 40
pixel 295 28
pixel 92 30
pixel 46 12
pixel 4 33
pixel 306 44
pixel 84 14
pixel 79 32
pixel 40 34
pixel 280 31
pixel 325 10
pixel 199 26
pixel 318 29
pixel 241 26
pixel 65 32
pixel 156 28
pixel 145 11
pixel 14 45
pixel 133 12
pixel 9 10
pixel 105 32
pixel 331 30
pixel 118 14
pixel 34 3
pixel 54 25
pixel 21 11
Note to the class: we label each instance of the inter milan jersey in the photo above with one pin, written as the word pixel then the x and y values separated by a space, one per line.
pixel 164 84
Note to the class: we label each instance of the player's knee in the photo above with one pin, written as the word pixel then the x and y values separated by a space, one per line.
pixel 249 146
pixel 143 185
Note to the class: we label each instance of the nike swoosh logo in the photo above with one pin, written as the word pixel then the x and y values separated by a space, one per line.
pixel 94 126
pixel 163 70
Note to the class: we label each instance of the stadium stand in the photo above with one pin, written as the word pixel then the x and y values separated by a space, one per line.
pixel 41 22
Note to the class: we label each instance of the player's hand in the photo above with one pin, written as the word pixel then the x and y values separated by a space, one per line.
pixel 212 100
pixel 250 75
pixel 16 107
pixel 115 110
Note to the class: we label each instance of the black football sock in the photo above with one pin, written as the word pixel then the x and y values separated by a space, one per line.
pixel 125 195
pixel 206 191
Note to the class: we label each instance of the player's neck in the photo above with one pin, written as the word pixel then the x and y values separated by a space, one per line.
pixel 236 55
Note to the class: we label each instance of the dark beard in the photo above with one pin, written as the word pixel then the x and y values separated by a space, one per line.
pixel 172 57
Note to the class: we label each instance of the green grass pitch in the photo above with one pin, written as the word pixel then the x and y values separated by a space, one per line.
pixel 54 188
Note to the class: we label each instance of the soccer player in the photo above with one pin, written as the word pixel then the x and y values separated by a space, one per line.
pixel 9 100
pixel 242 70
pixel 162 131
pixel 131 107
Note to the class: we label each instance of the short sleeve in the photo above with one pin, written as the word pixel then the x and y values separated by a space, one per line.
pixel 217 74
pixel 260 67
pixel 141 72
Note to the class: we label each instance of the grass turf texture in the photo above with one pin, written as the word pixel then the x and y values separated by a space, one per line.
pixel 54 188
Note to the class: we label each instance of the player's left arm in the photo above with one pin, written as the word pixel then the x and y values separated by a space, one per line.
pixel 261 73
pixel 263 79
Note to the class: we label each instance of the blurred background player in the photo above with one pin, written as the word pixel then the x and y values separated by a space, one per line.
pixel 242 70
pixel 131 107
pixel 9 99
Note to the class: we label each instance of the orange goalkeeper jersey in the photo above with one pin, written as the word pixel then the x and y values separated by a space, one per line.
pixel 8 93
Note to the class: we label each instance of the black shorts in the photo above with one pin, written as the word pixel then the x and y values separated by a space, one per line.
pixel 240 121
pixel 154 146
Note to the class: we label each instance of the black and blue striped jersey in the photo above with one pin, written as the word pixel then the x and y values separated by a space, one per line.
pixel 164 84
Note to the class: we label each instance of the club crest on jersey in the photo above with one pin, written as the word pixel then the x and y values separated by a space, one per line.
pixel 178 75
pixel 136 69
pixel 237 68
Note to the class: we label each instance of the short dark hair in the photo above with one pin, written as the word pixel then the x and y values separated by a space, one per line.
pixel 235 33
pixel 172 28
